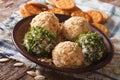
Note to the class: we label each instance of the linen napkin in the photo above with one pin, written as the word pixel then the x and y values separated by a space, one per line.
pixel 113 24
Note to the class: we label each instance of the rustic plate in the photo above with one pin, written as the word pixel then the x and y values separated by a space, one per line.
pixel 23 26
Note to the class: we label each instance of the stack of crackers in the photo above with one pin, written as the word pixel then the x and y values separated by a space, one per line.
pixel 66 7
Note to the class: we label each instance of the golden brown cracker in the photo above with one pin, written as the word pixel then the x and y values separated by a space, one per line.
pixel 77 13
pixel 42 7
pixel 32 9
pixel 105 16
pixel 24 13
pixel 58 11
pixel 65 4
pixel 102 28
pixel 96 16
pixel 73 9
pixel 76 9
pixel 88 17
pixel 81 14
pixel 51 2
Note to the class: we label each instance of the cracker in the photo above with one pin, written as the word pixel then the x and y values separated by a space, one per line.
pixel 51 2
pixel 105 16
pixel 42 7
pixel 24 13
pixel 32 9
pixel 81 14
pixel 96 16
pixel 65 4
pixel 102 28
pixel 73 9
pixel 58 11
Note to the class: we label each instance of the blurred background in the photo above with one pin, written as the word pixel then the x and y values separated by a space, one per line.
pixel 8 6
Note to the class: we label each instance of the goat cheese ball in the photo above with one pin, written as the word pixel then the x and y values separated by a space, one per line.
pixel 67 55
pixel 75 26
pixel 46 20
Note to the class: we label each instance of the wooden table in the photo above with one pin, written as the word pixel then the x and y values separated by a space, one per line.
pixel 7 70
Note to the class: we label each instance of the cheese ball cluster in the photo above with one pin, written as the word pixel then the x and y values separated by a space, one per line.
pixel 68 44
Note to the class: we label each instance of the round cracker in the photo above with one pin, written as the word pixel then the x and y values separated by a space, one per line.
pixel 105 16
pixel 96 16
pixel 51 2
pixel 65 4
pixel 102 28
pixel 81 14
pixel 73 9
pixel 32 9
pixel 42 7
pixel 24 13
pixel 58 11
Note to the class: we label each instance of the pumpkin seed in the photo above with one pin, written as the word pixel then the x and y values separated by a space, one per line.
pixel 31 73
pixel 39 77
pixel 37 72
pixel 4 60
pixel 18 64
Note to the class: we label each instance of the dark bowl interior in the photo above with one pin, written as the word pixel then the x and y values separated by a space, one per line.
pixel 23 26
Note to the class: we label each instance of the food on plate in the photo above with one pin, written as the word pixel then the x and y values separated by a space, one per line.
pixel 102 28
pixel 58 11
pixel 65 4
pixel 82 14
pixel 39 41
pixel 69 44
pixel 93 46
pixel 60 37
pixel 75 26
pixel 96 16
pixel 68 55
pixel 46 20
pixel 32 9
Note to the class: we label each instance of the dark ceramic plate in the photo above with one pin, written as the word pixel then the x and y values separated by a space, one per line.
pixel 23 26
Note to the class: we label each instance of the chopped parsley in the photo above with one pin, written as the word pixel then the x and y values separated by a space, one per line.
pixel 39 41
pixel 92 45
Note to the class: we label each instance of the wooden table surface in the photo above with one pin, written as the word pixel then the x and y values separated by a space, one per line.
pixel 7 70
